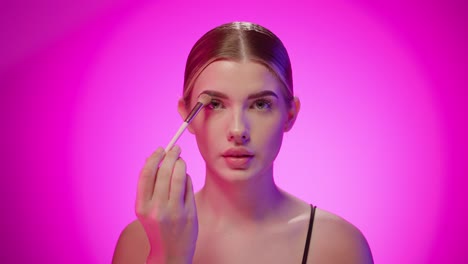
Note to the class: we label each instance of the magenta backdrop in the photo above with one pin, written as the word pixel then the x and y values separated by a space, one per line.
pixel 89 89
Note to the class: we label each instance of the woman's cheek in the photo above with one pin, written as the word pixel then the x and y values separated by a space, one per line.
pixel 275 138
pixel 209 133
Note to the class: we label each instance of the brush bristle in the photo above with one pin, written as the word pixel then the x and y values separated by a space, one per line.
pixel 204 99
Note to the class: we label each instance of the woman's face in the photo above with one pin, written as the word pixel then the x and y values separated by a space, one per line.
pixel 240 132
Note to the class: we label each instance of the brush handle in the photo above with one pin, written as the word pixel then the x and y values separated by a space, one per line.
pixel 194 112
pixel 176 136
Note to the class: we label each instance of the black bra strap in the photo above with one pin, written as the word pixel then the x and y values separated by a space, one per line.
pixel 309 234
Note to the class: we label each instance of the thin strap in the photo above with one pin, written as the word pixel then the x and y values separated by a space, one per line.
pixel 309 234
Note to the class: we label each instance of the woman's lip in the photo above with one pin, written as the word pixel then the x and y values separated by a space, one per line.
pixel 237 152
pixel 238 162
pixel 237 156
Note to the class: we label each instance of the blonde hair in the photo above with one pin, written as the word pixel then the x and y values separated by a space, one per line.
pixel 239 41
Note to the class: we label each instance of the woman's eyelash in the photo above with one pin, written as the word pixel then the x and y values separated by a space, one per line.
pixel 262 104
pixel 215 104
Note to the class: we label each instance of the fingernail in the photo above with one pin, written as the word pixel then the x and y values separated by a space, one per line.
pixel 159 151
pixel 176 148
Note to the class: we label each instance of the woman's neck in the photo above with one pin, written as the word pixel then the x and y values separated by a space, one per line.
pixel 249 202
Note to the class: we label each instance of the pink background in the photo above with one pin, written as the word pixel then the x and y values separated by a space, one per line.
pixel 89 90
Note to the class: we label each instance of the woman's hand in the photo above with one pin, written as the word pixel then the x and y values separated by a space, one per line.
pixel 165 206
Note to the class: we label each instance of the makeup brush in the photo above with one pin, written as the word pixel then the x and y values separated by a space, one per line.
pixel 202 101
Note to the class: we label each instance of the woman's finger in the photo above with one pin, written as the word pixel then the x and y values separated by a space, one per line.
pixel 189 194
pixel 147 177
pixel 178 183
pixel 163 179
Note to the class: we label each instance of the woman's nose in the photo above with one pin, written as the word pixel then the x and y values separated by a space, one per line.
pixel 239 129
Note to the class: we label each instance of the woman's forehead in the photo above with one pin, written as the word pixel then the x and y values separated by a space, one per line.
pixel 237 79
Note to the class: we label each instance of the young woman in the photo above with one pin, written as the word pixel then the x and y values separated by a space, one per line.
pixel 240 215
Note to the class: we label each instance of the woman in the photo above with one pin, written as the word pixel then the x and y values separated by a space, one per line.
pixel 240 215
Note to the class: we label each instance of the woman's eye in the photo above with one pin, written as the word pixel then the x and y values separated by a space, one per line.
pixel 215 104
pixel 262 104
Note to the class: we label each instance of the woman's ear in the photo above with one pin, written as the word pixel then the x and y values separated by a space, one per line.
pixel 183 112
pixel 292 114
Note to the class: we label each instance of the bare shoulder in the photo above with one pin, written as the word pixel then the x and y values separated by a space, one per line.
pixel 335 240
pixel 132 246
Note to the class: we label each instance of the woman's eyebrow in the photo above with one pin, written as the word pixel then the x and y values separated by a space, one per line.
pixel 252 96
pixel 263 94
pixel 214 94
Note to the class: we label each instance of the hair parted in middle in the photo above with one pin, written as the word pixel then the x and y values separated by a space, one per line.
pixel 239 41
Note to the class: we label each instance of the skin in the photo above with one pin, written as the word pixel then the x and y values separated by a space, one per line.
pixel 240 215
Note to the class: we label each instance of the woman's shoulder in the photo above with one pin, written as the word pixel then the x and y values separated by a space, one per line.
pixel 132 245
pixel 332 222
pixel 335 240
